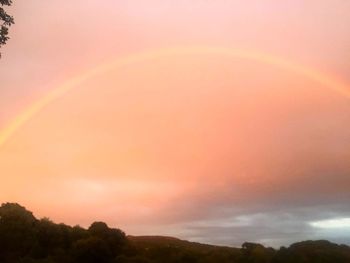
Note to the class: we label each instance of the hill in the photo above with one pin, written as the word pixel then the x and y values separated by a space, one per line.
pixel 26 239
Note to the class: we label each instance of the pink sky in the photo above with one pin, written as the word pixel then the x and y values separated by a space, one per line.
pixel 204 147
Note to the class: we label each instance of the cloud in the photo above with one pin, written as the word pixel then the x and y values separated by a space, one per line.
pixel 338 223
pixel 274 228
pixel 214 150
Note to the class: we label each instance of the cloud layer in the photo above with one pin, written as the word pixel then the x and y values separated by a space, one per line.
pixel 207 148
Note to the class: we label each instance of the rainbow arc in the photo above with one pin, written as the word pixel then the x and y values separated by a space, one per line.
pixel 21 119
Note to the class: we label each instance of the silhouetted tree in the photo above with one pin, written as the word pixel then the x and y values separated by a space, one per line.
pixel 17 232
pixel 257 253
pixel 5 22
pixel 115 238
pixel 25 239
pixel 92 250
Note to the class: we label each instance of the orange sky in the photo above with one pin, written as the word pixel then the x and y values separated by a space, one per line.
pixel 202 146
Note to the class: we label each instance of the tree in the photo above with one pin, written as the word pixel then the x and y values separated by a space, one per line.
pixel 17 233
pixel 92 250
pixel 115 238
pixel 5 22
pixel 257 253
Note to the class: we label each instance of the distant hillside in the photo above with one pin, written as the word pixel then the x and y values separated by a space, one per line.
pixel 25 239
pixel 170 241
pixel 158 248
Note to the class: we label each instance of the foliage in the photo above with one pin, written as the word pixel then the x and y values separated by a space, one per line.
pixel 5 22
pixel 25 239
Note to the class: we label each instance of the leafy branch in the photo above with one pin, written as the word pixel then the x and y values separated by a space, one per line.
pixel 6 21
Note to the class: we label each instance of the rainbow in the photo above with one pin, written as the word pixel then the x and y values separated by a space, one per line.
pixel 265 58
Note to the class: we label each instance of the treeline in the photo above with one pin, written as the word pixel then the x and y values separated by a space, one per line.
pixel 25 239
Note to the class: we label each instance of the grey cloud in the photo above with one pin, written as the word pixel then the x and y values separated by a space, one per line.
pixel 274 228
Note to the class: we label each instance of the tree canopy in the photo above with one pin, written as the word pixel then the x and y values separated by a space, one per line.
pixel 26 239
pixel 5 22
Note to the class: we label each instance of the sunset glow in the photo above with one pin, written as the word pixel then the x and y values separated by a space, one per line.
pixel 148 56
pixel 213 121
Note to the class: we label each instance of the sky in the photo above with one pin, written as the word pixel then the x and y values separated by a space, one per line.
pixel 197 144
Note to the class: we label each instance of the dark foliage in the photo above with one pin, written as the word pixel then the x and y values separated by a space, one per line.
pixel 5 22
pixel 25 239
